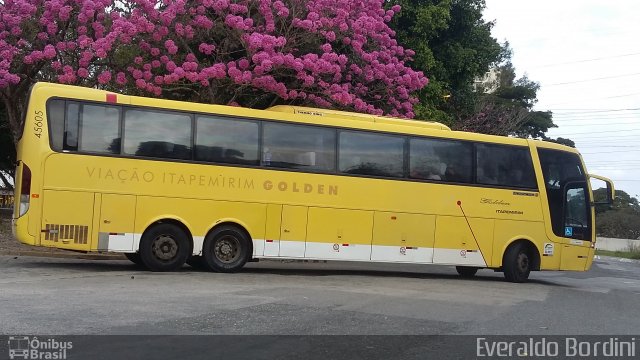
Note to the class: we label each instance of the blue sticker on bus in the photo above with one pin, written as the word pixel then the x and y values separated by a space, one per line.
pixel 568 231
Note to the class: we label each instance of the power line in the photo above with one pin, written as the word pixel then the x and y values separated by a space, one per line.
pixel 626 113
pixel 607 161
pixel 586 60
pixel 613 161
pixel 591 99
pixel 611 146
pixel 598 124
pixel 616 162
pixel 595 138
pixel 595 79
pixel 595 110
pixel 603 137
pixel 607 152
pixel 615 166
pixel 598 115
pixel 604 164
pixel 601 132
pixel 601 119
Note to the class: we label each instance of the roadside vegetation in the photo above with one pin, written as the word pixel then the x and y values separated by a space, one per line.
pixel 621 254
pixel 622 220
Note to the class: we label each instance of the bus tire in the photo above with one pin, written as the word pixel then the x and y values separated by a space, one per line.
pixel 466 271
pixel 134 258
pixel 226 249
pixel 516 263
pixel 164 247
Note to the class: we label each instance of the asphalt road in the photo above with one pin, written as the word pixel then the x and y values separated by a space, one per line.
pixel 69 296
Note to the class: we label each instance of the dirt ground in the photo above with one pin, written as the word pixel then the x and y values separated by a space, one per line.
pixel 11 246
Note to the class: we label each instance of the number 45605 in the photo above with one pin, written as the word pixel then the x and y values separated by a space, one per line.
pixel 37 128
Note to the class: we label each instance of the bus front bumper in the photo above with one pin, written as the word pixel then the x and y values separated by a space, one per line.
pixel 19 228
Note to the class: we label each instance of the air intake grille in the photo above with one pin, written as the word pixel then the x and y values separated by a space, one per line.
pixel 57 232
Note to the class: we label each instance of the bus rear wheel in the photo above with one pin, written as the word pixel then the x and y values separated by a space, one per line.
pixel 466 271
pixel 226 249
pixel 516 263
pixel 164 247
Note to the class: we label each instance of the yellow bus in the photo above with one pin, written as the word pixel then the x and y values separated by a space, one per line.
pixel 168 182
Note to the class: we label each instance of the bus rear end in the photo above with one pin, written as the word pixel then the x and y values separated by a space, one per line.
pixel 51 209
pixel 30 152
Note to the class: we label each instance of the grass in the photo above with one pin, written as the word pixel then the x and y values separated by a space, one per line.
pixel 622 254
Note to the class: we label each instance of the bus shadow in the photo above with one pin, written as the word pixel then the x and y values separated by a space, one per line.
pixel 483 276
pixel 83 265
pixel 279 270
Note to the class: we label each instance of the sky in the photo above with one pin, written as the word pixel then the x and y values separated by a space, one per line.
pixel 586 57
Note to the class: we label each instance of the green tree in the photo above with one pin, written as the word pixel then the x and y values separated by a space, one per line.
pixel 453 46
pixel 505 107
pixel 622 219
pixel 623 224
pixel 622 200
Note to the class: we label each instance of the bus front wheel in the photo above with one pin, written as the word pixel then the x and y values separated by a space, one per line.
pixel 226 249
pixel 164 247
pixel 516 263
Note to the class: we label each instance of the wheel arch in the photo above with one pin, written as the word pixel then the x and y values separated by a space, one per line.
pixel 534 250
pixel 240 225
pixel 169 220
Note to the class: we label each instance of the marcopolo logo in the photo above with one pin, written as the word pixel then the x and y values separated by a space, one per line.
pixel 26 347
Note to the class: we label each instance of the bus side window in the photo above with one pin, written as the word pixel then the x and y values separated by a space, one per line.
pixel 55 116
pixel 71 126
pixel 371 154
pixel 436 159
pixel 100 129
pixel 508 166
pixel 298 147
pixel 160 134
pixel 231 141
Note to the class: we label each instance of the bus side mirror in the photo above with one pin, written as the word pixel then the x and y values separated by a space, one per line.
pixel 611 192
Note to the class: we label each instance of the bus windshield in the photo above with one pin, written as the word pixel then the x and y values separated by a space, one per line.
pixel 567 193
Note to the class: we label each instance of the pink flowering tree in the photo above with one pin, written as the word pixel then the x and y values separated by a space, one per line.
pixel 254 53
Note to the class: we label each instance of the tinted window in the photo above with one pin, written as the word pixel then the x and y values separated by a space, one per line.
pixel 559 167
pixel 227 140
pixel 508 166
pixel 433 159
pixel 371 154
pixel 100 129
pixel 298 147
pixel 55 115
pixel 576 217
pixel 157 134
